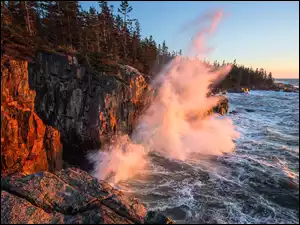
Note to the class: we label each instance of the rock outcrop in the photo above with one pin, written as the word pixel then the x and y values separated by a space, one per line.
pixel 238 90
pixel 223 106
pixel 50 104
pixel 28 145
pixel 69 196
pixel 55 111
pixel 285 87
pixel 84 105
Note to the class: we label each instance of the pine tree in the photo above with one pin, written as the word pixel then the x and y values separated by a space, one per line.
pixel 164 52
pixel 125 9
pixel 28 26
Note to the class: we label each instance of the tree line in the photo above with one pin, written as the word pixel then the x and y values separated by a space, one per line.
pixel 63 26
pixel 28 26
pixel 242 76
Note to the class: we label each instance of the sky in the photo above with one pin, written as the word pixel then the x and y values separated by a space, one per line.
pixel 258 34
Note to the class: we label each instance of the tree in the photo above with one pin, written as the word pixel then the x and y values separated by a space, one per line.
pixel 106 24
pixel 125 9
pixel 28 26
pixel 136 42
pixel 164 49
pixel 270 77
pixel 270 80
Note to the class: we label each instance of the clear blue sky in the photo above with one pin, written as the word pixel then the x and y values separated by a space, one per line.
pixel 258 34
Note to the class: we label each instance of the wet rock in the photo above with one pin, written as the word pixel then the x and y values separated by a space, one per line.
pixel 157 218
pixel 222 107
pixel 233 112
pixel 69 196
pixel 284 87
pixel 177 213
pixel 238 90
pixel 249 110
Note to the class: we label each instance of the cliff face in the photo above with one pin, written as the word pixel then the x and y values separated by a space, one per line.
pixel 27 144
pixel 85 106
pixel 69 196
pixel 51 104
pixel 53 110
pixel 50 111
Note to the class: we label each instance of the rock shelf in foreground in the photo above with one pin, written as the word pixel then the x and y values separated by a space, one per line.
pixel 70 196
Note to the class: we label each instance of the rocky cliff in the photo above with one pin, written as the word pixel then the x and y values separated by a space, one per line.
pixel 85 106
pixel 27 143
pixel 69 196
pixel 55 110
pixel 51 104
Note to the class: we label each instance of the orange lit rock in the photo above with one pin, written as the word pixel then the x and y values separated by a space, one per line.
pixel 85 106
pixel 22 131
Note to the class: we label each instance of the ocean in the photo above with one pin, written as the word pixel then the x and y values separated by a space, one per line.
pixel 258 183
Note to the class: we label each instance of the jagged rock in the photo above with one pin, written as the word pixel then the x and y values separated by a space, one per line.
pixel 223 107
pixel 49 105
pixel 27 144
pixel 86 106
pixel 69 196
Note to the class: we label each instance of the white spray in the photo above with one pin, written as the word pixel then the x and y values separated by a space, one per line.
pixel 176 123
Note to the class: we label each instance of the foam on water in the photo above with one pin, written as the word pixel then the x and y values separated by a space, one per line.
pixel 259 183
pixel 176 122
pixel 194 176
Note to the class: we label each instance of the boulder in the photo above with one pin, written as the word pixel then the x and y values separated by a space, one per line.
pixel 69 196
pixel 233 112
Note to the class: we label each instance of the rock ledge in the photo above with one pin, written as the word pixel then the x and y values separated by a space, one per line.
pixel 69 196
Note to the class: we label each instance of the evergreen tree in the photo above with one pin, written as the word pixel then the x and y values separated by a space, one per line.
pixel 29 26
pixel 125 9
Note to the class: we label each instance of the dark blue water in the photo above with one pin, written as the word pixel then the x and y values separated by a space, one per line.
pixel 259 183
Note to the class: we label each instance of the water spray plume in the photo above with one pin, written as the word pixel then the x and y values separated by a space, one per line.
pixel 176 123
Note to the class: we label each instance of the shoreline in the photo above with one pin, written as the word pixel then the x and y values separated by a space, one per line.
pixel 278 87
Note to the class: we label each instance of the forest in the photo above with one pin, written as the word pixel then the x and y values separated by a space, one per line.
pixel 97 37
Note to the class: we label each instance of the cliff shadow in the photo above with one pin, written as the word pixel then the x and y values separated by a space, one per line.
pixel 66 100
